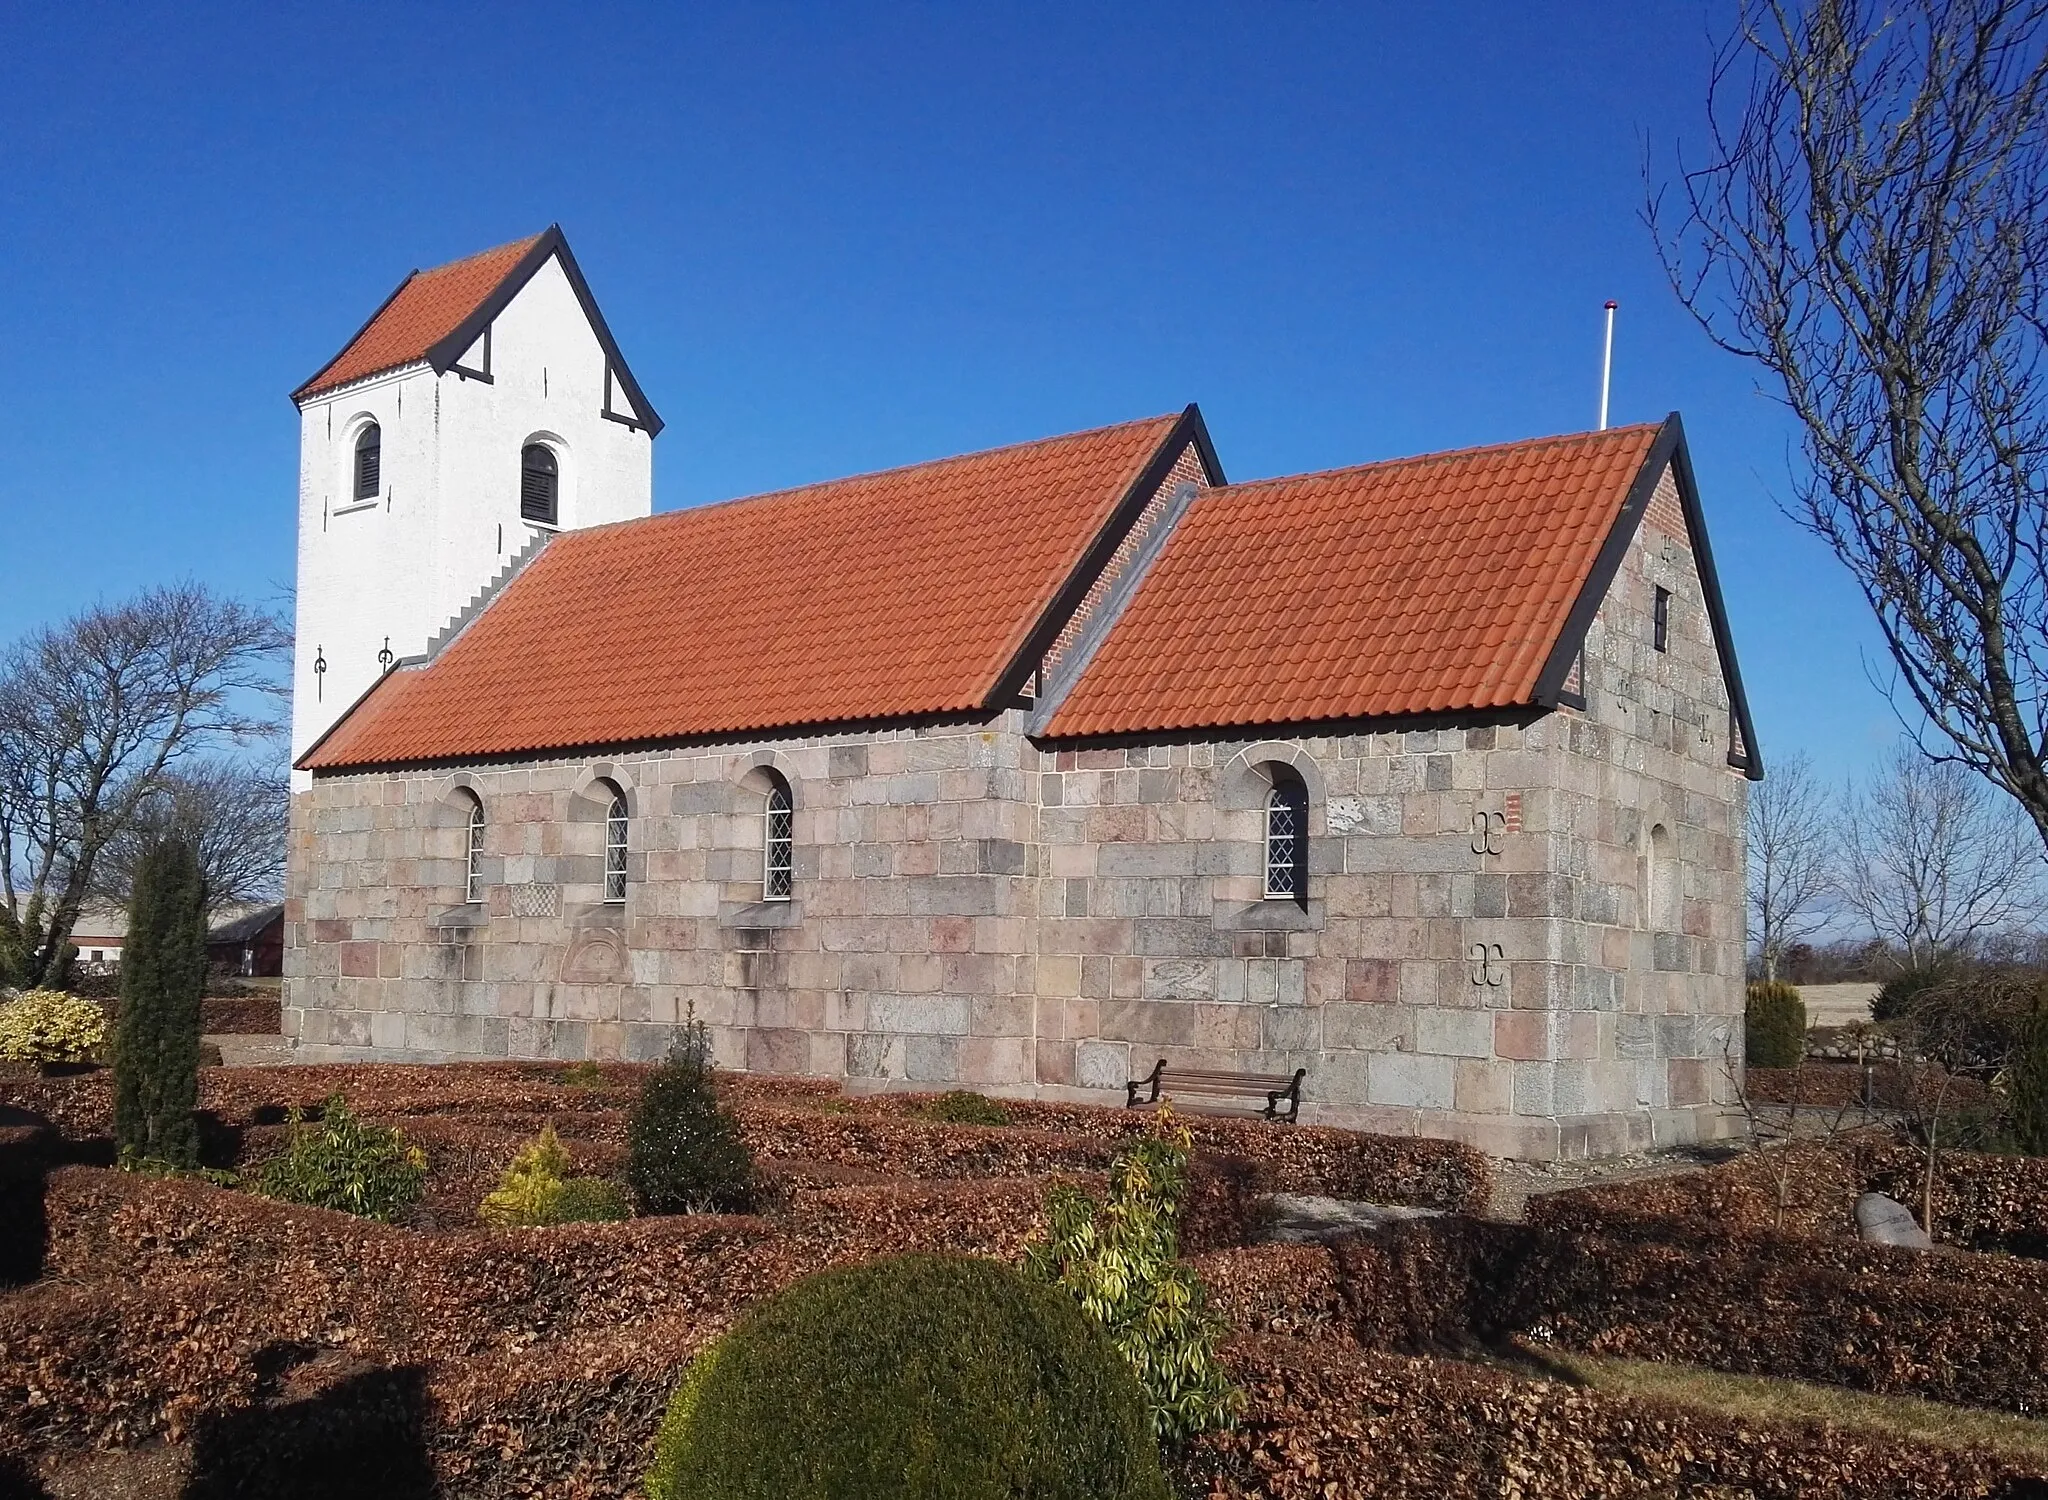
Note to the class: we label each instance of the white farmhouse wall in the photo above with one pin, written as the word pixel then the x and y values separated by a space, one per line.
pixel 397 568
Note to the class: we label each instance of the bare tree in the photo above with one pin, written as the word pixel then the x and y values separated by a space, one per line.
pixel 1872 229
pixel 1791 841
pixel 232 813
pixel 94 714
pixel 1933 858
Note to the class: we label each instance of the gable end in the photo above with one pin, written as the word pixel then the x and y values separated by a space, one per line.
pixel 1555 686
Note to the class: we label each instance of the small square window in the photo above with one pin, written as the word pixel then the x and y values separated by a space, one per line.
pixel 1661 621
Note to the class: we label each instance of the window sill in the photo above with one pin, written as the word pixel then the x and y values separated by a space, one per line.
pixel 547 526
pixel 760 914
pixel 469 914
pixel 355 505
pixel 1268 916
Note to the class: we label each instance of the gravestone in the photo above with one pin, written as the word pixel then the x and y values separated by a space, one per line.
pixel 1886 1221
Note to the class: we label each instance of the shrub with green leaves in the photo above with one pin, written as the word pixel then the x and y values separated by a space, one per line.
pixel 1120 1260
pixel 49 1026
pixel 965 1107
pixel 918 1377
pixel 537 1189
pixel 345 1162
pixel 1774 1025
pixel 684 1152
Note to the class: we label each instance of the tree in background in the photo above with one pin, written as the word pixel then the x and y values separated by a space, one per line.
pixel 95 714
pixel 1872 229
pixel 1790 844
pixel 233 814
pixel 156 1043
pixel 1934 860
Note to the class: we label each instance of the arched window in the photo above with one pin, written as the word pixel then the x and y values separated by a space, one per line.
pixel 369 462
pixel 615 846
pixel 540 484
pixel 473 871
pixel 779 845
pixel 1287 838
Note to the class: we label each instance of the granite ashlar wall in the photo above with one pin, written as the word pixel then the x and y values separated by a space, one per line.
pixel 905 955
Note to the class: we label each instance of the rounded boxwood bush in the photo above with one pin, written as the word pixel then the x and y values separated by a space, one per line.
pixel 920 1377
pixel 1774 1026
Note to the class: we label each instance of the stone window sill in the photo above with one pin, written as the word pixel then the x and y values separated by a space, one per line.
pixel 1268 916
pixel 760 914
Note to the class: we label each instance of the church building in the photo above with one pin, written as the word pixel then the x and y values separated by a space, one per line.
pixel 1016 771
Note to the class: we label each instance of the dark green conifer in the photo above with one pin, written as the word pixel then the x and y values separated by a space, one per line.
pixel 163 976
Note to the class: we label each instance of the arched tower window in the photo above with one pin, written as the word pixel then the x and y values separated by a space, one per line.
pixel 473 872
pixel 1287 838
pixel 779 845
pixel 369 462
pixel 615 846
pixel 540 484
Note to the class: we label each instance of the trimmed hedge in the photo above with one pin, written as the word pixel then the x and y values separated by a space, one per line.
pixel 1981 1202
pixel 1971 1331
pixel 1330 1420
pixel 923 1377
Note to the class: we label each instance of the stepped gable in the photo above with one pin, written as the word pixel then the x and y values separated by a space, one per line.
pixel 915 591
pixel 1429 585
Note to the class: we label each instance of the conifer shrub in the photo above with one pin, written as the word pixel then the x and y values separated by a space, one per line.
pixel 1120 1261
pixel 156 1039
pixel 344 1162
pixel 49 1026
pixel 2026 1086
pixel 537 1189
pixel 684 1151
pixel 965 1107
pixel 1774 1025
pixel 917 1377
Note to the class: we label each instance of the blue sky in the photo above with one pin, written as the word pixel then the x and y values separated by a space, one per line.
pixel 836 238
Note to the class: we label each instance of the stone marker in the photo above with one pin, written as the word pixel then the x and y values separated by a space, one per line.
pixel 1886 1221
pixel 1300 1218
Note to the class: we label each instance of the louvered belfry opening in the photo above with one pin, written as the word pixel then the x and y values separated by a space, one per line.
pixel 369 462
pixel 540 479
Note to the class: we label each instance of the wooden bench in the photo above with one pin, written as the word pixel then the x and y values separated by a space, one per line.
pixel 1198 1091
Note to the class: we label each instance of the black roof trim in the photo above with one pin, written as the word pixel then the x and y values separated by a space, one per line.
pixel 553 242
pixel 444 355
pixel 303 386
pixel 1669 449
pixel 1189 426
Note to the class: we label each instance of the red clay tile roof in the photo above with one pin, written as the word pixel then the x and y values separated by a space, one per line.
pixel 426 308
pixel 1428 585
pixel 899 593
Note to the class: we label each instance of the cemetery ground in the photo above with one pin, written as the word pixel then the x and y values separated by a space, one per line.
pixel 1706 1324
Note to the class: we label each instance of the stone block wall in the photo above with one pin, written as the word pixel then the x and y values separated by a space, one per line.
pixel 904 955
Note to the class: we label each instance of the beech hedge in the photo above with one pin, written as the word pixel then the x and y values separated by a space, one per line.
pixel 1968 1330
pixel 1330 1420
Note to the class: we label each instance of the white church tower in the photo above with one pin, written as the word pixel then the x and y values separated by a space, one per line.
pixel 483 408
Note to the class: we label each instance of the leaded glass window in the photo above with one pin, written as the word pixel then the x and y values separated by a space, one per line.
pixel 473 875
pixel 779 846
pixel 615 849
pixel 1287 841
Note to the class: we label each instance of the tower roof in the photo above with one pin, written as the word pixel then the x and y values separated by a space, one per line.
pixel 437 314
